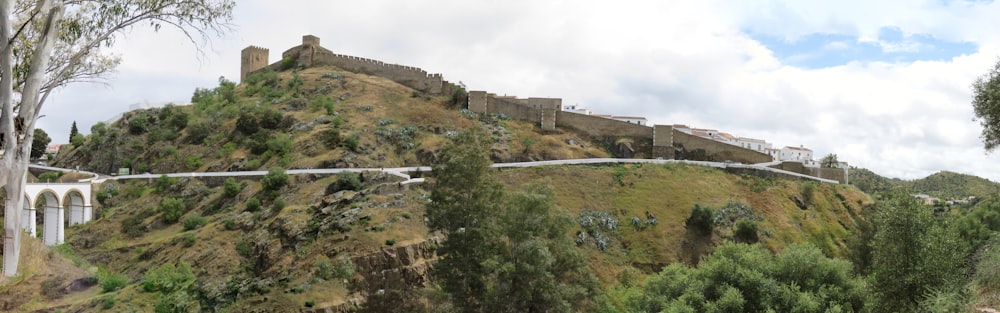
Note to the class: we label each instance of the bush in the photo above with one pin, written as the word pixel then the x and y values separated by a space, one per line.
pixel 194 221
pixel 310 303
pixel 345 181
pixel 247 122
pixel 287 63
pixel 391 241
pixel 189 240
pixel 278 205
pixel 324 270
pixel 352 142
pixel 330 138
pixel 275 179
pixel 700 220
pixel 231 188
pixel 164 182
pixel 192 162
pixel 229 224
pixel 108 302
pixel 138 124
pixel 807 192
pixel 168 278
pixel 253 205
pixel 172 209
pixel 110 281
pixel 49 176
pixel 746 232
pixel 78 140
pixel 132 226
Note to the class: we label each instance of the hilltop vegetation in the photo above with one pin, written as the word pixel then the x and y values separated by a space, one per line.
pixel 623 238
pixel 943 185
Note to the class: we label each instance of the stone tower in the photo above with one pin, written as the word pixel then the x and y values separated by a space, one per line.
pixel 310 40
pixel 254 58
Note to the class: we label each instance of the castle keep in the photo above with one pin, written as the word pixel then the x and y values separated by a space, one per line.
pixel 310 53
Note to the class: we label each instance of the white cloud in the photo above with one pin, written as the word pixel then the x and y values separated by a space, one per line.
pixel 685 62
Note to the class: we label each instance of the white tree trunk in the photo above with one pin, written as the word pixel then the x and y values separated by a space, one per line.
pixel 18 150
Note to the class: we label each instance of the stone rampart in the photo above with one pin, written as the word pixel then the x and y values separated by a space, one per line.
pixel 511 108
pixel 701 149
pixel 600 127
pixel 310 53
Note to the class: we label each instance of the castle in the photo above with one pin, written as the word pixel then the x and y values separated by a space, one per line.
pixel 310 54
pixel 629 140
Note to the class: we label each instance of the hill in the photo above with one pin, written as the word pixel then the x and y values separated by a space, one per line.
pixel 943 185
pixel 293 242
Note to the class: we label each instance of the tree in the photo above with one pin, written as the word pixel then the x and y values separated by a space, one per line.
pixel 462 206
pixel 503 252
pixel 911 254
pixel 39 143
pixel 986 104
pixel 829 161
pixel 73 131
pixel 52 43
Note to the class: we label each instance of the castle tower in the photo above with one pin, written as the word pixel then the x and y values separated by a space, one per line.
pixel 254 58
pixel 310 40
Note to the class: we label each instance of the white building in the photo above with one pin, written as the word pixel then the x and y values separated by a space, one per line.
pixel 799 153
pixel 753 144
pixel 631 119
pixel 576 109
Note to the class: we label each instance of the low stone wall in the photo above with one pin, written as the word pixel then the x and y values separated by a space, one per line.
pixel 513 109
pixel 701 149
pixel 837 174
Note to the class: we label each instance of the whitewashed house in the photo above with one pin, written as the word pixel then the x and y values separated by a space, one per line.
pixel 799 153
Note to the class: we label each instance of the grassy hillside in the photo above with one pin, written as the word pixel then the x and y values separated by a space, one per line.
pixel 257 244
pixel 313 118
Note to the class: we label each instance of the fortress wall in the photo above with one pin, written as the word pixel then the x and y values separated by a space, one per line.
pixel 409 76
pixel 701 149
pixel 601 127
pixel 513 109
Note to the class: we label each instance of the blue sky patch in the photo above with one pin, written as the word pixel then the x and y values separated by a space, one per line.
pixel 827 50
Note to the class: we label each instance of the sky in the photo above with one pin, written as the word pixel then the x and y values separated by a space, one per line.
pixel 885 85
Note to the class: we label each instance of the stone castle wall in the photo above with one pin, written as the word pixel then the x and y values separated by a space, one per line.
pixel 310 53
pixel 701 149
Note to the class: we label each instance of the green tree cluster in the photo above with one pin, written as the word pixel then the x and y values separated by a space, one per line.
pixel 747 278
pixel 504 252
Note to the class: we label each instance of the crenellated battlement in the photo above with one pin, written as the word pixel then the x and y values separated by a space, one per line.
pixel 310 53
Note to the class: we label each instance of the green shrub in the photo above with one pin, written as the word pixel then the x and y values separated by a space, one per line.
pixel 193 222
pixel 172 209
pixel 253 164
pixel 275 179
pixel 108 302
pixel 110 281
pixel 280 145
pixel 163 182
pixel 345 181
pixel 700 220
pixel 138 124
pixel 231 188
pixel 310 303
pixel 229 224
pixel 244 249
pixel 247 122
pixel 168 278
pixel 189 240
pixel 49 176
pixel 192 162
pixel 287 63
pixel 278 205
pixel 132 226
pixel 352 142
pixel 176 302
pixel 78 140
pixel 324 270
pixel 253 205
pixel 390 241
pixel 746 232
pixel 330 138
pixel 808 189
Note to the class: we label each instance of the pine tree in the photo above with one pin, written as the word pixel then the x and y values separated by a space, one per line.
pixel 73 131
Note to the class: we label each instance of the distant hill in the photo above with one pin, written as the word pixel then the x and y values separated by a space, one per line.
pixel 944 184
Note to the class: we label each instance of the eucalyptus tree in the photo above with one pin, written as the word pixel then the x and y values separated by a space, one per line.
pixel 47 44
